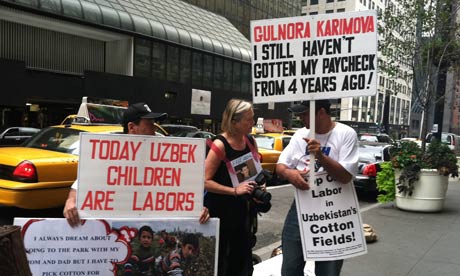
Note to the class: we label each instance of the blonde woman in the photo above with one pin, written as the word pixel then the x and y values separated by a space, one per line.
pixel 226 197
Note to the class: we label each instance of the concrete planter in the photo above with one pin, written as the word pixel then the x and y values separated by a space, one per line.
pixel 428 195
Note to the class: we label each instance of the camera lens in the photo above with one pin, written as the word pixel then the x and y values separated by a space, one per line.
pixel 262 196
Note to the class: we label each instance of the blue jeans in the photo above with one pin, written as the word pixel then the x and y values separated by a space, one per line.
pixel 293 262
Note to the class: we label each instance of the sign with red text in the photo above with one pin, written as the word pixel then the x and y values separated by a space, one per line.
pixel 113 247
pixel 314 57
pixel 330 221
pixel 140 176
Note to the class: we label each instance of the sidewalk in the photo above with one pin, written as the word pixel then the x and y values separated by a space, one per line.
pixel 412 244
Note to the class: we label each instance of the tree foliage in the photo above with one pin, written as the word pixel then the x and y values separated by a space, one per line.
pixel 418 39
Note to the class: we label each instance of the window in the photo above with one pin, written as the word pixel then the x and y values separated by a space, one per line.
pixel 329 11
pixel 313 13
pixel 158 60
pixel 184 65
pixel 207 70
pixel 313 2
pixel 142 58
pixel 340 10
pixel 197 69
pixel 329 1
pixel 246 78
pixel 218 72
pixel 12 132
pixel 236 76
pixel 172 64
pixel 228 70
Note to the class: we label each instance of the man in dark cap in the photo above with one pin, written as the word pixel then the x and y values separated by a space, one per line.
pixel 335 149
pixel 137 119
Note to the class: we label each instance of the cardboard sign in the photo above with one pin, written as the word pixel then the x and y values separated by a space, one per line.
pixel 316 57
pixel 108 247
pixel 140 176
pixel 330 221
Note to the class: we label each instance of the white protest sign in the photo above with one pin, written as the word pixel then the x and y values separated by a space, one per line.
pixel 330 221
pixel 323 56
pixel 140 176
pixel 104 247
pixel 54 247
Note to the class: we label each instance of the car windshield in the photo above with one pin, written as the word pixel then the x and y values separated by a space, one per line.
pixel 173 129
pixel 64 140
pixel 265 142
pixel 445 138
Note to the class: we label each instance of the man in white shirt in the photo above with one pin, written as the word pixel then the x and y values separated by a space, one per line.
pixel 335 149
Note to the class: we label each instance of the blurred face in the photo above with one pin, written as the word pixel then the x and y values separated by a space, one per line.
pixel 145 127
pixel 305 117
pixel 146 239
pixel 245 124
pixel 188 250
pixel 245 171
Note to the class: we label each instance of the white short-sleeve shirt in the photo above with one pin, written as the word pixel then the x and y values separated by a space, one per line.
pixel 340 144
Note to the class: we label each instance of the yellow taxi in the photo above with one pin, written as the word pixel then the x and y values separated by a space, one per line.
pixel 39 174
pixel 270 146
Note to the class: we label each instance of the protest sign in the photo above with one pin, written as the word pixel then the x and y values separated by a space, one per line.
pixel 330 221
pixel 315 57
pixel 109 247
pixel 140 176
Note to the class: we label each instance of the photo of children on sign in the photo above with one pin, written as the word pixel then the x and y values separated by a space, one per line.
pixel 154 247
pixel 171 251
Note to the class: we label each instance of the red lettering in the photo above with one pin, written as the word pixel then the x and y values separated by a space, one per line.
pixel 283 31
pixel 174 153
pixel 159 203
pixel 345 26
pixel 110 180
pixel 148 202
pixel 114 150
pixel 104 152
pixel 93 147
pixel 135 208
pixel 99 201
pixel 191 154
pixel 191 202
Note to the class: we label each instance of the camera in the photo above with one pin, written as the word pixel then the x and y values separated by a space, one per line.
pixel 260 180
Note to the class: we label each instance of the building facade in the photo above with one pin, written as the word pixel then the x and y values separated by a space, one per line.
pixel 52 53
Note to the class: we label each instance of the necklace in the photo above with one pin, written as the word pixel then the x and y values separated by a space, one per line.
pixel 329 134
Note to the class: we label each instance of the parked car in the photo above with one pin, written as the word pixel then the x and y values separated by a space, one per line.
pixel 270 146
pixel 371 154
pixel 68 119
pixel 39 173
pixel 375 137
pixel 451 139
pixel 195 134
pixel 276 141
pixel 16 135
pixel 412 139
pixel 172 129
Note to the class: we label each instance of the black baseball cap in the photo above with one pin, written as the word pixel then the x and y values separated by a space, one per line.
pixel 305 106
pixel 141 111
